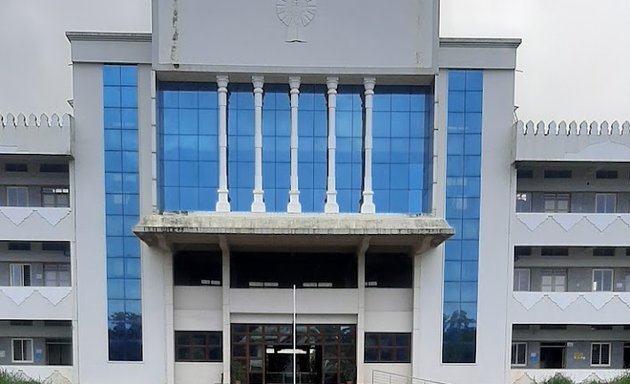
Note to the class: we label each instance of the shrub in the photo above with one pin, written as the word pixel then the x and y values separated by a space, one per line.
pixel 558 378
pixel 622 379
pixel 15 378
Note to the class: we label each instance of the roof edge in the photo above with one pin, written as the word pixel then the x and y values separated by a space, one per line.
pixel 108 36
pixel 489 42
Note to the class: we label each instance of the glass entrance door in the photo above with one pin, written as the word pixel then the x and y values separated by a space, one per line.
pixel 262 353
pixel 279 364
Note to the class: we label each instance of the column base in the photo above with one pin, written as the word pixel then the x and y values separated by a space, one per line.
pixel 368 203
pixel 331 203
pixel 259 203
pixel 294 205
pixel 223 203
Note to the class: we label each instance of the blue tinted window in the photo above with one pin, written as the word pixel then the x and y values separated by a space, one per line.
pixel 349 132
pixel 241 146
pixel 276 147
pixel 312 147
pixel 188 144
pixel 463 186
pixel 402 149
pixel 122 212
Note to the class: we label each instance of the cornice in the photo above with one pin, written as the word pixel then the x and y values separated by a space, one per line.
pixel 462 42
pixel 108 36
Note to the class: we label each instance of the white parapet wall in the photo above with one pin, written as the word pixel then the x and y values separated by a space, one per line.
pixel 570 307
pixel 45 303
pixel 41 135
pixel 571 229
pixel 609 142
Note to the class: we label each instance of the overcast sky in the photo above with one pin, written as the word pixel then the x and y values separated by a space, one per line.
pixel 574 62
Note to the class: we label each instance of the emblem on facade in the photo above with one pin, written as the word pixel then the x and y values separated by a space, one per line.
pixel 295 14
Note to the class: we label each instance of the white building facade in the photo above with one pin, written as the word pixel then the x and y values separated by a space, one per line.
pixel 244 152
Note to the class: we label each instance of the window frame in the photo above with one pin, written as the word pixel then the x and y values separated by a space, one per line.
pixel 17 188
pixel 58 268
pixel 16 167
pixel 519 271
pixel 612 279
pixel 605 195
pixel 555 273
pixel 514 362
pixel 56 192
pixel 206 346
pixel 394 348
pixel 600 364
pixel 12 283
pixel 556 197
pixel 22 340
pixel 525 198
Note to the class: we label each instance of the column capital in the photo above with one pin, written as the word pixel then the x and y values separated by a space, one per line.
pixel 294 82
pixel 222 82
pixel 332 83
pixel 369 83
pixel 258 82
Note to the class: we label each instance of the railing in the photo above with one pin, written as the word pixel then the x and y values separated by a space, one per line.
pixel 382 377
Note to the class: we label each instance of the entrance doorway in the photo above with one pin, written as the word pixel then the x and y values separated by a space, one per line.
pixel 262 353
pixel 552 355
pixel 626 355
pixel 279 364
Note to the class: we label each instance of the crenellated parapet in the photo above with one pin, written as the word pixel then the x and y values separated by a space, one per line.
pixel 41 135
pixel 572 141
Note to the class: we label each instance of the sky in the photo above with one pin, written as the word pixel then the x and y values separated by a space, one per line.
pixel 573 64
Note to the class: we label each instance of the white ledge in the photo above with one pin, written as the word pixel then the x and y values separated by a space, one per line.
pixel 390 229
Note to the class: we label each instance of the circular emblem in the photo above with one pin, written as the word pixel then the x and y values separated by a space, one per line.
pixel 295 14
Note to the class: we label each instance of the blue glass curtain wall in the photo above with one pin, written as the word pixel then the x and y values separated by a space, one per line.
pixel 463 177
pixel 122 212
pixel 402 153
pixel 276 147
pixel 188 146
pixel 403 149
pixel 312 147
pixel 349 153
pixel 241 146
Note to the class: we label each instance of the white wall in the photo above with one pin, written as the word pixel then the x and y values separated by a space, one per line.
pixel 252 34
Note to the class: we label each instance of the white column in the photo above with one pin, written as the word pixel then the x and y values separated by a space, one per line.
pixel 294 193
pixel 368 202
pixel 258 205
pixel 331 190
pixel 223 204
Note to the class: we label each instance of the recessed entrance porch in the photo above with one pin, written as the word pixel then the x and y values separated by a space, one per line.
pixel 263 353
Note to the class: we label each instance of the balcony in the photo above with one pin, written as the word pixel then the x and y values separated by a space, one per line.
pixel 573 142
pixel 35 198
pixel 36 136
pixel 574 229
pixel 50 303
pixel 36 223
pixel 570 307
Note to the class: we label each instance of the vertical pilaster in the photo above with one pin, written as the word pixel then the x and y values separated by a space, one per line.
pixel 294 193
pixel 227 329
pixel 223 204
pixel 361 311
pixel 169 311
pixel 258 205
pixel 331 190
pixel 368 194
